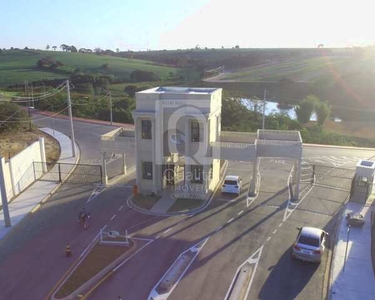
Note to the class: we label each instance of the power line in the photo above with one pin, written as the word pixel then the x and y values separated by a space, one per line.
pixel 49 94
pixel 40 119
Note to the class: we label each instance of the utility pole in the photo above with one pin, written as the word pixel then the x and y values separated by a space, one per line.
pixel 110 106
pixel 32 95
pixel 264 108
pixel 53 120
pixel 29 113
pixel 71 119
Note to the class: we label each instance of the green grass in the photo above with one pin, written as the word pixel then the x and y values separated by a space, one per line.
pixel 304 69
pixel 182 205
pixel 145 202
pixel 299 69
pixel 16 66
pixel 150 84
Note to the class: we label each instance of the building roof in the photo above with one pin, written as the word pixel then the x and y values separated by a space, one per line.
pixel 179 90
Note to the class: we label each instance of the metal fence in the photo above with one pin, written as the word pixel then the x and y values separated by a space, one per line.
pixel 84 174
pixel 333 177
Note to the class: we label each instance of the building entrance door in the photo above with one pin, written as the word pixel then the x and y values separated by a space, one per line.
pixel 169 174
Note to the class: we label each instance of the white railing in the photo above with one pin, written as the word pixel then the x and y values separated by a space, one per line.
pixel 238 137
pixel 287 135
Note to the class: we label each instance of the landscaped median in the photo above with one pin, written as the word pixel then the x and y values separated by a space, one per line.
pixel 101 257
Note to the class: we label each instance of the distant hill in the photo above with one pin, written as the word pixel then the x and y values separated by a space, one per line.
pixel 16 66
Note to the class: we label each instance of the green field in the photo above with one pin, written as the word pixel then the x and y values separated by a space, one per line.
pixel 304 69
pixel 16 66
pixel 308 69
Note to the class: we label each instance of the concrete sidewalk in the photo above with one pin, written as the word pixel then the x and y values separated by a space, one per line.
pixel 353 278
pixel 31 198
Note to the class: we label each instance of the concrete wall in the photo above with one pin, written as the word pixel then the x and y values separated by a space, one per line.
pixel 234 151
pixel 19 170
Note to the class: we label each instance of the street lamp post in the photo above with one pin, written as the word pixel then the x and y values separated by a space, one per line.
pixel 110 105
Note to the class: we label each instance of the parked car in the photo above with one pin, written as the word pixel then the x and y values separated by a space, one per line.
pixel 310 244
pixel 232 184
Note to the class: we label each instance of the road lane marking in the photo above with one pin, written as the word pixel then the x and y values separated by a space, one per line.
pixel 268 239
pixel 217 229
pixel 157 237
pixel 230 220
pixel 237 286
pixel 169 229
pixel 121 207
pixel 274 231
pixel 240 213
pixel 114 216
pixel 176 269
pixel 95 193
pixel 280 224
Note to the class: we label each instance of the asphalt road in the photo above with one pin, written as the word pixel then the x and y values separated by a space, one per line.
pixel 32 256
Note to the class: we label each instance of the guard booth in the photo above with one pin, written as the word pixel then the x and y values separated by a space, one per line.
pixel 363 181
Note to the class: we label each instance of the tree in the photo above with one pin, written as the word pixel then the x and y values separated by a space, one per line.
pixel 305 109
pixel 98 50
pixel 12 116
pixel 237 47
pixel 131 90
pixel 54 48
pixel 73 49
pixel 140 75
pixel 47 47
pixel 64 47
pixel 117 50
pixel 322 111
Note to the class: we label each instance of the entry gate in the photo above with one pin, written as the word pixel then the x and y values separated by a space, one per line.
pixel 333 177
pixel 83 174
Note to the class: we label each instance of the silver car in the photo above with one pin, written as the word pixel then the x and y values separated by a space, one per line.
pixel 310 244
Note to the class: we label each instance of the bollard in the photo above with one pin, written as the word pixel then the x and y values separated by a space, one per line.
pixel 135 190
pixel 68 252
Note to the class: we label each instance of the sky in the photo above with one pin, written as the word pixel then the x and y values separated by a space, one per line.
pixel 175 24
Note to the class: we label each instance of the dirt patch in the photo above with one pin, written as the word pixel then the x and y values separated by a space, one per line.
pixel 12 143
pixel 99 257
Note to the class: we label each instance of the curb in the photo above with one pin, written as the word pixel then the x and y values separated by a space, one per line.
pixel 328 293
pixel 97 279
pixel 50 194
pixel 189 212
pixel 46 198
pixel 77 119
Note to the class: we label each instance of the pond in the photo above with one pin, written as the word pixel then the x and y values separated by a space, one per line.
pixel 274 107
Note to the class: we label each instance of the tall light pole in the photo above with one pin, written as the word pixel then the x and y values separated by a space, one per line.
pixel 110 105
pixel 32 95
pixel 264 108
pixel 71 119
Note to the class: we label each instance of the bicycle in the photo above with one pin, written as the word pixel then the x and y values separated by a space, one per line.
pixel 84 219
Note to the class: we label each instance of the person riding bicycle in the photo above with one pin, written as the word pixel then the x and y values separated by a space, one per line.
pixel 82 215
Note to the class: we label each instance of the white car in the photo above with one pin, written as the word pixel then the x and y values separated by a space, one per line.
pixel 232 184
pixel 310 244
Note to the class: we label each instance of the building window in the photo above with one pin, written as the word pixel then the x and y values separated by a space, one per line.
pixel 146 129
pixel 197 174
pixel 211 170
pixel 147 170
pixel 194 131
